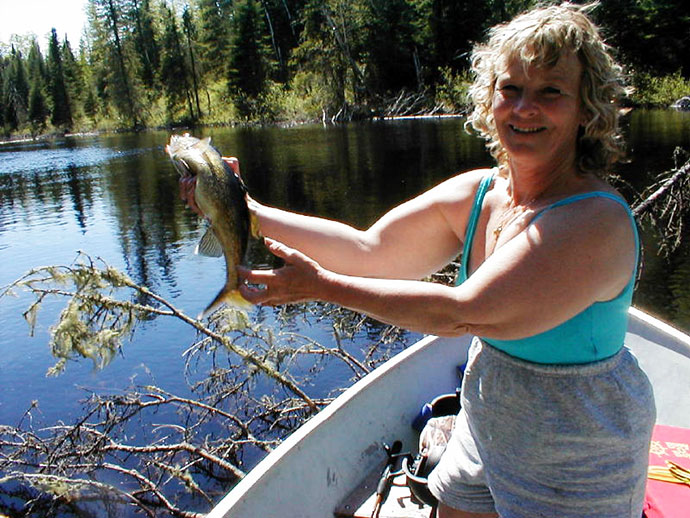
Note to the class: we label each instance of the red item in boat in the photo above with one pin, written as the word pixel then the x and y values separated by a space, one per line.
pixel 667 499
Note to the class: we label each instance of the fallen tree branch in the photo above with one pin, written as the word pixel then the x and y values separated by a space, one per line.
pixel 666 205
pixel 662 191
pixel 187 448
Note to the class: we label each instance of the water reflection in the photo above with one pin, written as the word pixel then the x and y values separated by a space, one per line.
pixel 30 195
pixel 652 136
pixel 148 216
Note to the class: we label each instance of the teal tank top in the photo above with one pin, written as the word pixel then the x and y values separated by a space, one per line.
pixel 594 334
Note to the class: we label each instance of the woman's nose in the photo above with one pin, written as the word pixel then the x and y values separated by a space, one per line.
pixel 525 105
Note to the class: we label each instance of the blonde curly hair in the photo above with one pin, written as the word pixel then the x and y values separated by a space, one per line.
pixel 538 38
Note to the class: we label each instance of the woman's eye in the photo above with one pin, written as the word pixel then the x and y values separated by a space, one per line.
pixel 550 90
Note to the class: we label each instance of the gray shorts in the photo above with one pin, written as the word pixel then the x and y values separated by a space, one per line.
pixel 537 440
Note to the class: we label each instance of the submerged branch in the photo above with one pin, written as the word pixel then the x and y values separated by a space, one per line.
pixel 95 320
pixel 169 453
pixel 662 190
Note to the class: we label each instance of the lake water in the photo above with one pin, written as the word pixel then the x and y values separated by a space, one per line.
pixel 116 197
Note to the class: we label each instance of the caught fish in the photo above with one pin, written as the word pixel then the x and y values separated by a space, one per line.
pixel 220 194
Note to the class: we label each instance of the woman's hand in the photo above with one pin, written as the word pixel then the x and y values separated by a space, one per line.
pixel 299 280
pixel 187 185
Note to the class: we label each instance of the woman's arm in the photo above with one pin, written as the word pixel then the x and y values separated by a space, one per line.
pixel 415 305
pixel 411 241
pixel 570 258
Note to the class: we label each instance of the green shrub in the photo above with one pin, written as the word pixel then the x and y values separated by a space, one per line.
pixel 659 91
pixel 452 92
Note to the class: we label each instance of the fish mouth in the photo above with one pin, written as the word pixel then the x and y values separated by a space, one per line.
pixel 180 164
pixel 526 130
pixel 179 147
pixel 182 167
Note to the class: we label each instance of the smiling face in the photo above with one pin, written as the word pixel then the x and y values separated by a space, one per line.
pixel 538 112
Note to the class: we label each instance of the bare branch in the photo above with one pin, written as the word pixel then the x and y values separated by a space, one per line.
pixel 666 205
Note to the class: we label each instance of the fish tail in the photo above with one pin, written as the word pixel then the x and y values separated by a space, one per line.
pixel 254 226
pixel 228 296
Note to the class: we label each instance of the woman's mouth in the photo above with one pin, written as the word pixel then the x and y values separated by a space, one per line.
pixel 526 130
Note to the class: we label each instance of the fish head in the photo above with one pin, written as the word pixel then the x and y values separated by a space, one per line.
pixel 188 154
pixel 217 186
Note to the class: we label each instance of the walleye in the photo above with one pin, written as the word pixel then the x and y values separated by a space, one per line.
pixel 220 194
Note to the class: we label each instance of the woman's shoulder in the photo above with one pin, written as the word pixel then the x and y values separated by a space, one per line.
pixel 601 230
pixel 600 201
pixel 467 182
pixel 455 196
pixel 603 208
pixel 598 221
pixel 584 199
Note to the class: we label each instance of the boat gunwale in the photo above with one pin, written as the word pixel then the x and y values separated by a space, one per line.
pixel 680 341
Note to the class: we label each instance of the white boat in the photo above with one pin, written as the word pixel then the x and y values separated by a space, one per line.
pixel 316 469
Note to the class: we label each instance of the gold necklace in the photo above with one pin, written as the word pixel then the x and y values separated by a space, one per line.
pixel 509 216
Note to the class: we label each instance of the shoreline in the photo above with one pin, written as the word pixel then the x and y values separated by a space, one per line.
pixel 22 139
pixel 48 136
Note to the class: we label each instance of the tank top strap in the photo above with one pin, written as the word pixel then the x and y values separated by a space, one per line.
pixel 598 194
pixel 471 229
pixel 585 195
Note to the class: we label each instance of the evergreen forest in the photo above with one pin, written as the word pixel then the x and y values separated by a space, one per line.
pixel 162 63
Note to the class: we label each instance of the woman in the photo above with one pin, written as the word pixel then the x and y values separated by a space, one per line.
pixel 557 416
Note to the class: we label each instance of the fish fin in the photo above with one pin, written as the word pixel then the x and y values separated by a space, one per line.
pixel 254 225
pixel 229 297
pixel 209 246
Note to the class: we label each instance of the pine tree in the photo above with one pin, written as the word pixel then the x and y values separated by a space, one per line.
pixel 38 106
pixel 249 63
pixel 61 114
pixel 38 110
pixel 284 27
pixel 174 73
pixel 214 29
pixel 36 65
pixel 190 35
pixel 114 77
pixel 391 46
pixel 3 67
pixel 73 75
pixel 15 96
pixel 145 42
pixel 653 36
pixel 91 105
pixel 330 53
pixel 455 26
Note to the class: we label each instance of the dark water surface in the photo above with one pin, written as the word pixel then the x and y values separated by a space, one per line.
pixel 116 197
